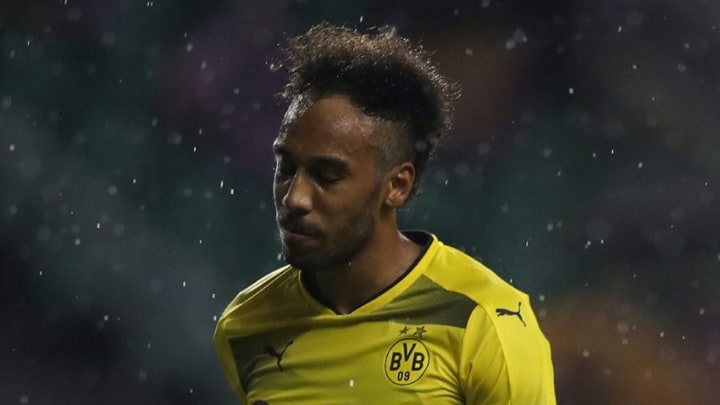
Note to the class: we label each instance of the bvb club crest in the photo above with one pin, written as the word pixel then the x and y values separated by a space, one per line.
pixel 406 361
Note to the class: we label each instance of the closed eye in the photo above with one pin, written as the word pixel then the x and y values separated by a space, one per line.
pixel 284 170
pixel 326 178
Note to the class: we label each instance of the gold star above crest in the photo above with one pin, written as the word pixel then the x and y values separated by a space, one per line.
pixel 404 330
pixel 419 331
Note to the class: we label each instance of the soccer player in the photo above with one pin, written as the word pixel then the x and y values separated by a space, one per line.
pixel 364 313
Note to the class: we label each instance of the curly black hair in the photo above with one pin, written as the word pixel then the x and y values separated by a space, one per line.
pixel 385 76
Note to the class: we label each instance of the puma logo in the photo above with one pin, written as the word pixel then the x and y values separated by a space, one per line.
pixel 269 350
pixel 503 312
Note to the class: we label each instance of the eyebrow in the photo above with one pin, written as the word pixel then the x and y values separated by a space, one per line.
pixel 330 162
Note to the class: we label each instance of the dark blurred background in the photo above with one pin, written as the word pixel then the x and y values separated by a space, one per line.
pixel 135 184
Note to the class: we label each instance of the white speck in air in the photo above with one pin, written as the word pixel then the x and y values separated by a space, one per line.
pixel 97 226
pixel 662 334
pixel 213 296
pixel 352 383
pixel 620 28
pixel 189 47
pixel 232 191
pixel 701 311
pixel 588 244
pixel 542 297
pixel 586 353
pixel 362 18
pixel 634 66
pixel 571 91
pixel 682 68
pixel 184 283
pixel 518 37
pixel 24 399
pixel 214 318
pixel 11 148
pixel 468 51
pixel 106 318
pixel 77 241
pixel 200 242
pixel 640 165
pixel 222 183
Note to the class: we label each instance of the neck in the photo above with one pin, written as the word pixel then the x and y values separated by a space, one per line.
pixel 386 258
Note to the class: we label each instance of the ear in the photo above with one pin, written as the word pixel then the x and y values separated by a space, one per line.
pixel 400 184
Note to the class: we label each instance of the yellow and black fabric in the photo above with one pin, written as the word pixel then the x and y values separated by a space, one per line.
pixel 449 332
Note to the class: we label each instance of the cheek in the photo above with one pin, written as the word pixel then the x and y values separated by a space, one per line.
pixel 278 193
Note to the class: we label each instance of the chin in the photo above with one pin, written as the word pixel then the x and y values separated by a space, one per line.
pixel 306 262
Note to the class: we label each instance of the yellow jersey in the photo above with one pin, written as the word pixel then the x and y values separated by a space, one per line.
pixel 449 332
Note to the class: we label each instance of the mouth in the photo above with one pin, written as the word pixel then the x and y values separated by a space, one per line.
pixel 297 230
pixel 294 233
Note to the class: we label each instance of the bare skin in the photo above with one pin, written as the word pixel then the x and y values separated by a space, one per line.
pixel 337 212
pixel 369 274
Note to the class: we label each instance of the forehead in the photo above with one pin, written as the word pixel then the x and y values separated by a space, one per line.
pixel 329 125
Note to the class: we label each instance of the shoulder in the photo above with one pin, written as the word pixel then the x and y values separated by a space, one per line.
pixel 505 355
pixel 263 286
pixel 456 271
pixel 258 298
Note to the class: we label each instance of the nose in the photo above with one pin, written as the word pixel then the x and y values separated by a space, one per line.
pixel 298 196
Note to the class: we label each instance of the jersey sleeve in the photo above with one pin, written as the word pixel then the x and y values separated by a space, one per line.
pixel 505 357
pixel 227 360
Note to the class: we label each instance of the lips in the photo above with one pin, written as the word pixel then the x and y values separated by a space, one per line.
pixel 297 228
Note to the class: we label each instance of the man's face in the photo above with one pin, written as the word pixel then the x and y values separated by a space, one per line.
pixel 326 188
